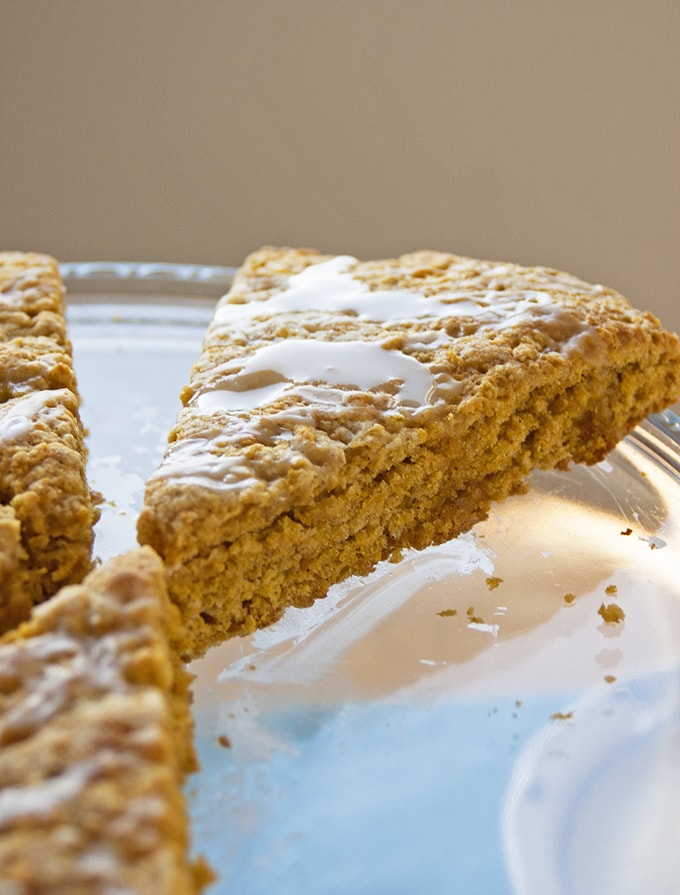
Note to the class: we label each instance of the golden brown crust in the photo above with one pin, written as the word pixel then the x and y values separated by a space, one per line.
pixel 42 448
pixel 95 732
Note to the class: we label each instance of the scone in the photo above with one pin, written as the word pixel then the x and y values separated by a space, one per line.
pixel 341 410
pixel 95 738
pixel 46 507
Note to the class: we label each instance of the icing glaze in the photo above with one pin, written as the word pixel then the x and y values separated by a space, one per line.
pixel 265 396
pixel 48 676
pixel 197 461
pixel 275 369
pixel 13 292
pixel 330 287
pixel 569 334
pixel 23 803
pixel 64 663
pixel 26 371
pixel 18 416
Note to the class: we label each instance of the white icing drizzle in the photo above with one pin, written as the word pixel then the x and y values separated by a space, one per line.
pixel 329 287
pixel 195 462
pixel 264 397
pixel 216 460
pixel 18 416
pixel 23 379
pixel 291 362
pixel 570 334
pixel 101 862
pixel 65 662
pixel 14 293
pixel 21 803
pixel 51 674
pixel 203 460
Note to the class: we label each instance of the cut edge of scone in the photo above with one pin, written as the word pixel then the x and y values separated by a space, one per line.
pixel 96 738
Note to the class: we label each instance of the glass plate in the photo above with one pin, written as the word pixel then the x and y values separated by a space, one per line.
pixel 464 721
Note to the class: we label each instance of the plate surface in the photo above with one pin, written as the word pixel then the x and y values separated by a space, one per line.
pixel 464 721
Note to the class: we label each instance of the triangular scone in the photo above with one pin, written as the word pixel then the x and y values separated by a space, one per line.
pixel 43 488
pixel 340 410
pixel 95 741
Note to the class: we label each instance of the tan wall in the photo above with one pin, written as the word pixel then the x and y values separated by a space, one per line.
pixel 542 132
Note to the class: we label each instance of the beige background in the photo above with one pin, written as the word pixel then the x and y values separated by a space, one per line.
pixel 161 130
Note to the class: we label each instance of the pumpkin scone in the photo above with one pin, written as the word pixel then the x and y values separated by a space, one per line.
pixel 45 502
pixel 341 410
pixel 95 736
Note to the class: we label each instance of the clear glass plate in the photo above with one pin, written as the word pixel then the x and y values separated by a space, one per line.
pixel 464 721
